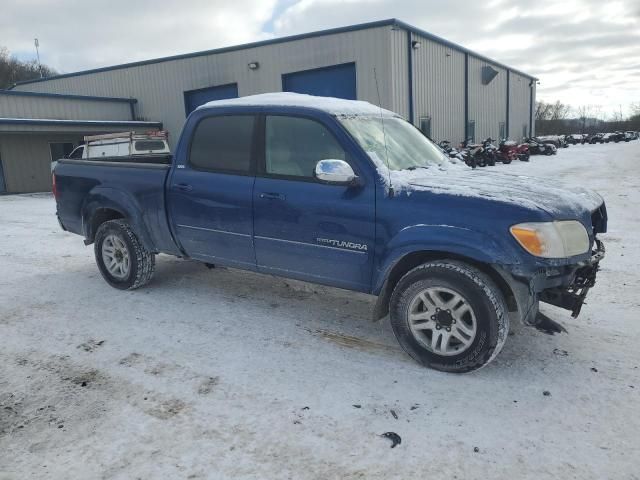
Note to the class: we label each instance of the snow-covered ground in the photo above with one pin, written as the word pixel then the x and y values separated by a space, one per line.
pixel 225 374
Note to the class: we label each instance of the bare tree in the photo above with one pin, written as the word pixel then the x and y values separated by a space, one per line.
pixel 559 110
pixel 13 70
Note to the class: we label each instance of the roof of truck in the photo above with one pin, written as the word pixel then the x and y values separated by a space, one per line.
pixel 333 106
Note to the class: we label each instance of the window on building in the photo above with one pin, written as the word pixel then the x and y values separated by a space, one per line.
pixel 223 144
pixel 471 130
pixel 524 130
pixel 60 150
pixel 502 127
pixel 295 145
pixel 425 126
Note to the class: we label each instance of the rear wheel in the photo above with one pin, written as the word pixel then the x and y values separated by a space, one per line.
pixel 122 259
pixel 449 316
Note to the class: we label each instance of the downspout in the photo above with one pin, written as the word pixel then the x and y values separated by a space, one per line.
pixel 132 108
pixel 508 89
pixel 410 74
pixel 466 96
pixel 531 87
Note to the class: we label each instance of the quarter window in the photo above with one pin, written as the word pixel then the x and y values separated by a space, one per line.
pixel 223 143
pixel 295 145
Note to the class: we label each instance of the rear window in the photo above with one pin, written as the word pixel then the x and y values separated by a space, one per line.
pixel 223 144
pixel 147 145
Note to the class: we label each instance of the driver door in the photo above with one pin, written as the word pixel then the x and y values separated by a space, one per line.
pixel 303 228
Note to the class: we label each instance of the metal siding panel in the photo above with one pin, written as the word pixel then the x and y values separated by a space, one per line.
pixel 14 106
pixel 26 161
pixel 487 103
pixel 519 96
pixel 159 87
pixel 439 88
pixel 398 69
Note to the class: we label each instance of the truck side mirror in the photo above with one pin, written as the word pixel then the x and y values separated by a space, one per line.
pixel 335 172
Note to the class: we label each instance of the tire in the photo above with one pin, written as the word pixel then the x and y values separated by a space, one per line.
pixel 121 242
pixel 485 312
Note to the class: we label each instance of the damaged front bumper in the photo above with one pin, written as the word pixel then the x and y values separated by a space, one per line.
pixel 573 297
pixel 565 287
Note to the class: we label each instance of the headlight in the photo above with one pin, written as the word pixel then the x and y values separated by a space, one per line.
pixel 552 239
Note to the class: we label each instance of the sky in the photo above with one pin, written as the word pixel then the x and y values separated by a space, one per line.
pixel 585 52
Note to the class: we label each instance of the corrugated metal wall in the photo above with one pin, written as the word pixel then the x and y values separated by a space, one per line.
pixel 519 110
pixel 18 106
pixel 26 161
pixel 438 80
pixel 487 103
pixel 160 87
pixel 438 88
pixel 398 65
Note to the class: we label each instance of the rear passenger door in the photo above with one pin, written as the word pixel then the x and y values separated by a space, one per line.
pixel 210 191
pixel 303 228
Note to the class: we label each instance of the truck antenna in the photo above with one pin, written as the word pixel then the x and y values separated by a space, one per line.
pixel 384 134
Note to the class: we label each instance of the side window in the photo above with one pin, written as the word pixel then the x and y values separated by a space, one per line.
pixel 77 153
pixel 223 143
pixel 293 146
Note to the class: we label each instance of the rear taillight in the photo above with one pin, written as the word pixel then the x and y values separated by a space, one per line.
pixel 53 186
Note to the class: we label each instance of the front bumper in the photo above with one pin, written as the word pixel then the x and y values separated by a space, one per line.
pixel 566 286
pixel 572 297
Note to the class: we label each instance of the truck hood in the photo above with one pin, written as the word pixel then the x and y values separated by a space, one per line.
pixel 555 198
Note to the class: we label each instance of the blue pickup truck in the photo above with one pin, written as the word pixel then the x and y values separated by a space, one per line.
pixel 343 193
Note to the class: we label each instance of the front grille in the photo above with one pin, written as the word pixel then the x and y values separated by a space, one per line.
pixel 599 219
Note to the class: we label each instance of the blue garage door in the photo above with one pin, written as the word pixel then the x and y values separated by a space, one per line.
pixel 336 81
pixel 194 98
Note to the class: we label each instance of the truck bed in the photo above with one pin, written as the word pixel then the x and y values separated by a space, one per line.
pixel 84 186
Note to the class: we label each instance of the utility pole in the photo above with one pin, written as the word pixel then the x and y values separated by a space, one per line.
pixel 37 44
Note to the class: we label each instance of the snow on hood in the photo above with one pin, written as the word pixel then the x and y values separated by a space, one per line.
pixel 555 198
pixel 334 106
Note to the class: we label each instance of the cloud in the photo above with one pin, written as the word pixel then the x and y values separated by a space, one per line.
pixel 582 50
pixel 578 48
pixel 80 34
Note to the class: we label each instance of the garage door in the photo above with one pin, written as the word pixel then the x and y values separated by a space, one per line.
pixel 194 98
pixel 335 81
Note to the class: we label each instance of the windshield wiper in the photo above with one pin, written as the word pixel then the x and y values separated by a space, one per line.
pixel 413 167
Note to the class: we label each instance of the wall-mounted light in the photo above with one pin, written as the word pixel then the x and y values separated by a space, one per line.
pixel 416 44
pixel 254 66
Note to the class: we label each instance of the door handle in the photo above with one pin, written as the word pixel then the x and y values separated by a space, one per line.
pixel 272 196
pixel 183 186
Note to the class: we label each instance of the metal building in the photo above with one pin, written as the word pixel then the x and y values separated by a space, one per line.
pixel 446 90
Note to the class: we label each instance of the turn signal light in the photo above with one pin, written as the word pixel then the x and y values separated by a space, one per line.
pixel 529 240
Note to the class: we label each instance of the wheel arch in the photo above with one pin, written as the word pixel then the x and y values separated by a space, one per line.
pixel 413 259
pixel 104 204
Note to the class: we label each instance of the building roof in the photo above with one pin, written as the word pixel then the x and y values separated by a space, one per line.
pixel 392 22
pixel 64 96
pixel 79 123
pixel 334 106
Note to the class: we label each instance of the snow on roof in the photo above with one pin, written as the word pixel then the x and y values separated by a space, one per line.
pixel 334 106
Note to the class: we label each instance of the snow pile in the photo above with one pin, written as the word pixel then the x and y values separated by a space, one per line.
pixel 449 179
pixel 334 106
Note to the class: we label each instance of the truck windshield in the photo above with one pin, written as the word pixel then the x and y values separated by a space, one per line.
pixel 406 147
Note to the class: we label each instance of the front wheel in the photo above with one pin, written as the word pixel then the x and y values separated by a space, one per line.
pixel 122 259
pixel 449 316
